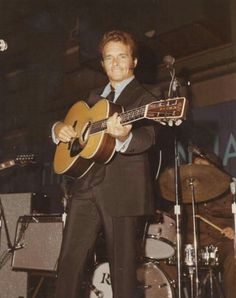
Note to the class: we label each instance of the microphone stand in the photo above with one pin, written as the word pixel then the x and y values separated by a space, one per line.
pixel 174 83
pixel 177 211
pixel 172 92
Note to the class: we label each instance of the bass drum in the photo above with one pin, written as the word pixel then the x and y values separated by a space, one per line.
pixel 155 282
pixel 101 282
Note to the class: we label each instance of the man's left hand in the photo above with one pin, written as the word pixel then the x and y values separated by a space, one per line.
pixel 116 129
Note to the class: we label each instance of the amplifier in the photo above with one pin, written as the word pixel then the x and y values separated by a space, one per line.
pixel 12 284
pixel 37 243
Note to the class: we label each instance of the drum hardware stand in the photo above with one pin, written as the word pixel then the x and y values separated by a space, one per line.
pixel 191 274
pixel 213 281
pixel 177 211
pixel 195 242
pixel 233 191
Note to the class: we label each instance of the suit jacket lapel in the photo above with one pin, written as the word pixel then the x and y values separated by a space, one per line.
pixel 125 97
pixel 95 96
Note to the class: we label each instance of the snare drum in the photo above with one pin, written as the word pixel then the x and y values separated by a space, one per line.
pixel 101 282
pixel 161 238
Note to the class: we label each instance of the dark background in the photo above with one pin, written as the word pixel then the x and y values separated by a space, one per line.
pixel 52 61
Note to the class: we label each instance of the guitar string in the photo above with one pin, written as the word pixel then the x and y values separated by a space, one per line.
pixel 133 114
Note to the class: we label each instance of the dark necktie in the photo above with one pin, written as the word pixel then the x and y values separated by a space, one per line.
pixel 111 95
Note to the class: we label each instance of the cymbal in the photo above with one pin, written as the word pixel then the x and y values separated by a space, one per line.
pixel 208 181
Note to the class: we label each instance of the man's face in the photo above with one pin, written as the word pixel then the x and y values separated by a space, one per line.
pixel 118 62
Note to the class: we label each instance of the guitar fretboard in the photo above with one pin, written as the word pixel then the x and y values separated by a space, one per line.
pixel 126 118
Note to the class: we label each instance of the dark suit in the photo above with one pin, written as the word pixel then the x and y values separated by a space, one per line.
pixel 113 197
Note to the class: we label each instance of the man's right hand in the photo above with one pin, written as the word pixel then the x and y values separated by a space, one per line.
pixel 64 132
pixel 228 232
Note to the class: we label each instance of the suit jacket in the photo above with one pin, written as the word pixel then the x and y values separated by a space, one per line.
pixel 125 181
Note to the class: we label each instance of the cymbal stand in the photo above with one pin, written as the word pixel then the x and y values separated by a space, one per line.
pixel 233 191
pixel 210 285
pixel 177 211
pixel 191 274
pixel 195 243
pixel 189 261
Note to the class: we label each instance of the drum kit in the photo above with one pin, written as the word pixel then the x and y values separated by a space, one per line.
pixel 157 271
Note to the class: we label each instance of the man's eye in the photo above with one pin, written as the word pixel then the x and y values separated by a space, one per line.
pixel 107 59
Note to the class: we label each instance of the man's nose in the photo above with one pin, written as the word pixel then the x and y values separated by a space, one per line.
pixel 115 60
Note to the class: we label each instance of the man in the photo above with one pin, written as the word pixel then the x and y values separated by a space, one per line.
pixel 111 196
pixel 217 211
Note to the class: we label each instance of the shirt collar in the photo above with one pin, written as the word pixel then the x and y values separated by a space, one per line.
pixel 119 88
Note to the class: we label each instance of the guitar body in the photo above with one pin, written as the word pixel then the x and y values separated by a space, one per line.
pixel 77 157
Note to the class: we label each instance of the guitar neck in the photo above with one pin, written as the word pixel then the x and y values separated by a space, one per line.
pixel 133 115
pixel 163 110
pixel 126 118
pixel 7 164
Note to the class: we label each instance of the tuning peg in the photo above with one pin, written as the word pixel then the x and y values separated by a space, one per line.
pixel 161 122
pixel 178 122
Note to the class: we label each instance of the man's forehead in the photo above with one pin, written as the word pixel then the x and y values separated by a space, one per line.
pixel 116 46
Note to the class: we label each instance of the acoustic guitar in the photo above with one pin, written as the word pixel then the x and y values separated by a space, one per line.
pixel 92 144
pixel 20 160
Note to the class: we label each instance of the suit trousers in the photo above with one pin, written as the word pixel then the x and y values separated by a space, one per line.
pixel 86 216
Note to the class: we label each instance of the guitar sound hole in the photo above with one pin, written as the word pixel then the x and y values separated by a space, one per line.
pixel 75 148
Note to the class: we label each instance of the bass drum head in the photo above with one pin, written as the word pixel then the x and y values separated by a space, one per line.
pixel 154 281
pixel 101 282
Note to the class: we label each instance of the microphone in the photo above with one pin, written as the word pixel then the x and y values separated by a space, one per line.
pixel 169 61
pixel 3 45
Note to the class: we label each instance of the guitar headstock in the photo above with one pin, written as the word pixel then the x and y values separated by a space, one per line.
pixel 173 109
pixel 24 159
